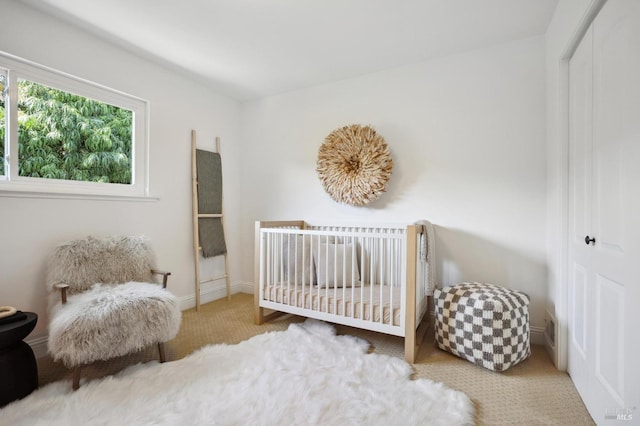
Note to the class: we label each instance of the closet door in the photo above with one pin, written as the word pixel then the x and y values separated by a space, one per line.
pixel 604 217
pixel 580 289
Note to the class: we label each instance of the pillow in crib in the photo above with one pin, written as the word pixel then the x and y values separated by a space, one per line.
pixel 336 265
pixel 295 266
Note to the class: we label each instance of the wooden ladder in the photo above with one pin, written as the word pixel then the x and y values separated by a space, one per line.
pixel 196 236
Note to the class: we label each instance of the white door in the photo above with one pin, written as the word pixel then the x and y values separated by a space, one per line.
pixel 604 215
pixel 580 205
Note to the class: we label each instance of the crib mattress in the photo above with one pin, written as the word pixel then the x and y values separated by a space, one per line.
pixel 362 303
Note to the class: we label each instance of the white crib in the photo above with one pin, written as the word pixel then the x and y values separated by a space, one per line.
pixel 374 278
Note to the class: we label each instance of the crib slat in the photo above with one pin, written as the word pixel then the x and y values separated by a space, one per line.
pixel 279 247
pixel 373 261
pixel 326 274
pixel 269 256
pixel 382 277
pixel 335 275
pixel 320 238
pixel 298 273
pixel 365 265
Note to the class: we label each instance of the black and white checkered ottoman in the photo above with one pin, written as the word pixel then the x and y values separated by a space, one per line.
pixel 483 323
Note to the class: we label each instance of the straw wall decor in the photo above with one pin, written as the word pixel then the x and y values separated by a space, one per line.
pixel 354 165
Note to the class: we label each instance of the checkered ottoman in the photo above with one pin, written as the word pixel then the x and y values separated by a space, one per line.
pixel 483 323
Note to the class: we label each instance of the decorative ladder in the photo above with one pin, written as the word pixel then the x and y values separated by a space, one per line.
pixel 197 248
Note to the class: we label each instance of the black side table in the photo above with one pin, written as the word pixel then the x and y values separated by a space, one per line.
pixel 18 367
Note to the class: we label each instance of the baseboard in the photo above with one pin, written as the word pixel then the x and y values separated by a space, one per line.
pixel 38 345
pixel 206 296
pixel 537 335
pixel 215 293
pixel 245 287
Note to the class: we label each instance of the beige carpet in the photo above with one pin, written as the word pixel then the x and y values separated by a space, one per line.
pixel 531 393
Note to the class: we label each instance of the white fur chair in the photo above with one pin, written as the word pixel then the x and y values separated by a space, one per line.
pixel 103 302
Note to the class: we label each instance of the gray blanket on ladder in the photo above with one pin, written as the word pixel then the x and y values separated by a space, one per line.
pixel 210 230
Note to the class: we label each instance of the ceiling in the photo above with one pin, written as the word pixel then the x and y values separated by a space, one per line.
pixel 249 49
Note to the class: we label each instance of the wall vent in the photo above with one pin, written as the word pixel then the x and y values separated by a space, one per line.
pixel 550 329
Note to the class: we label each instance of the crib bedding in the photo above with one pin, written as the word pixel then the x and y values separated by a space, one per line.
pixel 358 304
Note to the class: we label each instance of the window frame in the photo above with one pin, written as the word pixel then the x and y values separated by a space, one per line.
pixel 12 184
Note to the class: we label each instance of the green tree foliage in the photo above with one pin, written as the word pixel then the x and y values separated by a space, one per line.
pixel 66 136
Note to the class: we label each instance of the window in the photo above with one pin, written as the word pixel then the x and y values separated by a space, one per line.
pixel 62 134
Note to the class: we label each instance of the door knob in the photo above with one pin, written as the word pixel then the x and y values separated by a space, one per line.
pixel 588 240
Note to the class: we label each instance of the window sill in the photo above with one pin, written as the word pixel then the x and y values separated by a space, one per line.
pixel 69 196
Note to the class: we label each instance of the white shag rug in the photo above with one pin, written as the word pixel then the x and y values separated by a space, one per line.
pixel 303 376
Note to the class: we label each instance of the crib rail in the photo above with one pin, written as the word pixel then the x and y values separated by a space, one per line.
pixel 351 275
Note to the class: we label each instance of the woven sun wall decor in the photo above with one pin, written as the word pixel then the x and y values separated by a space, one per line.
pixel 354 165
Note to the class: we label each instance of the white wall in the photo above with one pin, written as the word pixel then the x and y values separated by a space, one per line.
pixel 467 135
pixel 562 34
pixel 30 227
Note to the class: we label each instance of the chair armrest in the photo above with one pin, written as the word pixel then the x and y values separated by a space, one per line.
pixel 63 291
pixel 165 276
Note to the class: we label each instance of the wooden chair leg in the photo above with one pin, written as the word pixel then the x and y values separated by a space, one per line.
pixel 76 377
pixel 161 351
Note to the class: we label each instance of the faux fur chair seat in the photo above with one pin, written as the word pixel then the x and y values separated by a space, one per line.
pixel 108 321
pixel 113 306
